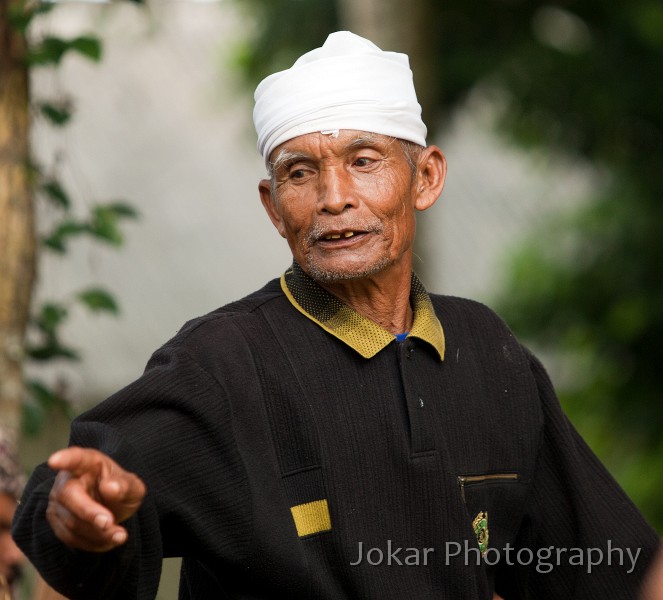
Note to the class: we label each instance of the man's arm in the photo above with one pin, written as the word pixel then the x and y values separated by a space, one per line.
pixel 91 496
pixel 169 439
pixel 596 541
pixel 129 570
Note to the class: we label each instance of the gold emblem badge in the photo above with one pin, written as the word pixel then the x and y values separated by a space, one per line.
pixel 480 526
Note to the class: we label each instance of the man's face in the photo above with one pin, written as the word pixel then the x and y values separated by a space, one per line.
pixel 345 204
pixel 10 556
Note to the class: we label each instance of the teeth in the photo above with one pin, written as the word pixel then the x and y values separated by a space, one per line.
pixel 337 236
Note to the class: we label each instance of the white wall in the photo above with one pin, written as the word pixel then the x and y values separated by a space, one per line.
pixel 161 123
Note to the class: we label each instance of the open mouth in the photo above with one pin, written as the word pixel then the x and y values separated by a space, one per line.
pixel 342 236
pixel 338 236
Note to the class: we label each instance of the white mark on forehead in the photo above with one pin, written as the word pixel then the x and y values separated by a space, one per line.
pixel 330 132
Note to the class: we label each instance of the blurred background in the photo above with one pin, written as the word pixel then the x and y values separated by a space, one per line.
pixel 143 179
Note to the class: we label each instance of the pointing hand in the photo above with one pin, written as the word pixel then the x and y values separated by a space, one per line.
pixel 91 496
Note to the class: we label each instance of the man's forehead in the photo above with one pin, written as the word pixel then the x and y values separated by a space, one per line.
pixel 311 143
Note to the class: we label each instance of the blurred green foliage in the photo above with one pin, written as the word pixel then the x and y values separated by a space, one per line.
pixel 580 78
pixel 282 31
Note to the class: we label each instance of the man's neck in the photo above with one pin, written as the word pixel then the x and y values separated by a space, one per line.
pixel 383 298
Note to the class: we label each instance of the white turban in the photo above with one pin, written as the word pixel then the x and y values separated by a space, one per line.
pixel 348 83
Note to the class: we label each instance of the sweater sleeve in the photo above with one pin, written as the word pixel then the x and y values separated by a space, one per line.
pixel 172 427
pixel 585 537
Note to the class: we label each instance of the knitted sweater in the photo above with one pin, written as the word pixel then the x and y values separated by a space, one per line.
pixel 282 464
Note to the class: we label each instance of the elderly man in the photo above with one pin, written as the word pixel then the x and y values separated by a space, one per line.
pixel 340 433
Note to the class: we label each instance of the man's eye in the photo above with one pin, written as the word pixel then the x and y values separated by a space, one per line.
pixel 363 161
pixel 297 174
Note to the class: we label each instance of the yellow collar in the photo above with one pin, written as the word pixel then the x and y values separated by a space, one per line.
pixel 358 332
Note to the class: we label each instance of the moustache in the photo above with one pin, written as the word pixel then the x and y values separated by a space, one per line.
pixel 319 230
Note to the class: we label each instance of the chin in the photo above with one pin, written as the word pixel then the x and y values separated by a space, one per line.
pixel 332 273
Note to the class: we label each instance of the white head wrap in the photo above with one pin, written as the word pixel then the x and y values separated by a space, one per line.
pixel 348 83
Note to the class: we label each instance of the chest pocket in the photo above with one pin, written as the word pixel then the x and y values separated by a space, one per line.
pixel 494 503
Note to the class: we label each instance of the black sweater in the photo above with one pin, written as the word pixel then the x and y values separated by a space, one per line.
pixel 254 424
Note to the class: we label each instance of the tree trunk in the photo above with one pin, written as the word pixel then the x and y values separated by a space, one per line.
pixel 17 235
pixel 401 27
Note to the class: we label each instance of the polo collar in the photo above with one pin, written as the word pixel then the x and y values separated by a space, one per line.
pixel 360 333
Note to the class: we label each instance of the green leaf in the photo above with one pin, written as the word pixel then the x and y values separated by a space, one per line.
pixel 20 17
pixel 105 221
pixel 33 417
pixel 57 114
pixel 98 300
pixel 104 225
pixel 42 399
pixel 54 243
pixel 51 50
pixel 51 350
pixel 44 395
pixel 88 46
pixel 56 193
pixel 122 209
pixel 47 52
pixel 50 317
pixel 57 239
pixel 41 7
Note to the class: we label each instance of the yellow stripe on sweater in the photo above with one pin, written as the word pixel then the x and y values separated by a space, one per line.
pixel 312 517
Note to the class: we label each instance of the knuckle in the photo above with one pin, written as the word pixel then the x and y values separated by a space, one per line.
pixel 69 521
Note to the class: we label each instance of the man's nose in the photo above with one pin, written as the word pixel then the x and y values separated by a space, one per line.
pixel 336 191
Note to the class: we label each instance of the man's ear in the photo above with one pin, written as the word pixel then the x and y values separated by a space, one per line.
pixel 268 201
pixel 431 173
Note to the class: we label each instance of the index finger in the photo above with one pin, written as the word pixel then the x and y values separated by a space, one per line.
pixel 75 459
